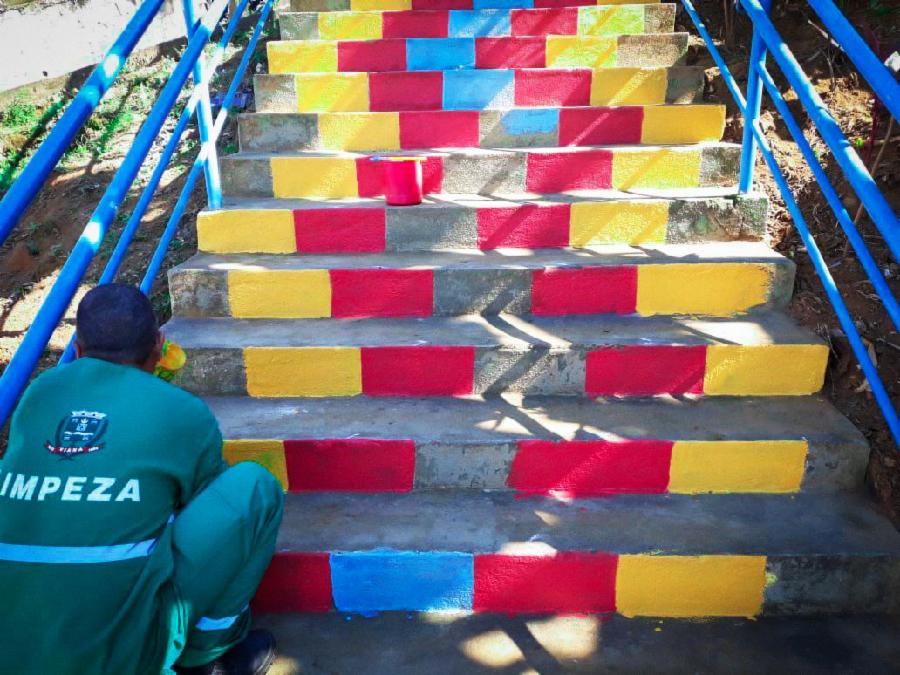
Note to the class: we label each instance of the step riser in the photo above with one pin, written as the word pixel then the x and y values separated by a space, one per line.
pixel 578 582
pixel 485 172
pixel 439 226
pixel 656 50
pixel 645 290
pixel 436 5
pixel 376 25
pixel 537 127
pixel 568 469
pixel 731 370
pixel 441 90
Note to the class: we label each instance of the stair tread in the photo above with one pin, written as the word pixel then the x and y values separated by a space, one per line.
pixel 503 330
pixel 480 152
pixel 773 525
pixel 511 417
pixel 495 200
pixel 584 38
pixel 477 9
pixel 607 255
pixel 497 109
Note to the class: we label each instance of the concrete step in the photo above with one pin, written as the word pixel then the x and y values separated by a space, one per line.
pixel 566 446
pixel 705 280
pixel 400 643
pixel 501 128
pixel 478 222
pixel 378 24
pixel 694 556
pixel 401 5
pixel 446 89
pixel 485 171
pixel 759 355
pixel 648 50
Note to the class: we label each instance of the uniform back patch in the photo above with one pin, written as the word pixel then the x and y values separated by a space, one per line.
pixel 78 433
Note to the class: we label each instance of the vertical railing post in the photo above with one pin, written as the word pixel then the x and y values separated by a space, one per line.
pixel 754 100
pixel 205 120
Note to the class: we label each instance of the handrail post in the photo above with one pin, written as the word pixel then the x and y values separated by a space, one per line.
pixel 204 120
pixel 754 100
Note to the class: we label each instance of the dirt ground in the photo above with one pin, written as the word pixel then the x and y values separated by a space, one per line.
pixel 30 260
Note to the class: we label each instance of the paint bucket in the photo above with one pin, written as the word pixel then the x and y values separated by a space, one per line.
pixel 402 180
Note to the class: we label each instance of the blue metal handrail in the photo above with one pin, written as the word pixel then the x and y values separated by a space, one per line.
pixel 24 361
pixel 767 39
pixel 25 189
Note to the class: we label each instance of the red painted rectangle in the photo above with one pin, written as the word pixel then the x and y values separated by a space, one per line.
pixel 441 129
pixel 524 226
pixel 357 294
pixel 589 290
pixel 543 22
pixel 418 371
pixel 346 230
pixel 415 24
pixel 350 465
pixel 510 52
pixel 442 4
pixel 540 4
pixel 561 171
pixel 295 582
pixel 645 370
pixel 370 56
pixel 600 126
pixel 406 91
pixel 370 176
pixel 553 87
pixel 591 468
pixel 564 583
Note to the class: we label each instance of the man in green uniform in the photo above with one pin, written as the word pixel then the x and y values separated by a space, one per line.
pixel 126 544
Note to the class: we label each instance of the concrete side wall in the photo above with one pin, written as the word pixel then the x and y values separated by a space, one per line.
pixel 38 43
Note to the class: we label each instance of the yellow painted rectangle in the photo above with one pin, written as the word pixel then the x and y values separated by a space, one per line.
pixel 712 289
pixel 359 132
pixel 575 51
pixel 674 124
pixel 267 453
pixel 332 92
pixel 737 466
pixel 628 2
pixel 629 86
pixel 690 586
pixel 303 371
pixel 246 231
pixel 765 370
pixel 391 5
pixel 656 168
pixel 350 25
pixel 610 20
pixel 281 294
pixel 302 56
pixel 614 222
pixel 311 177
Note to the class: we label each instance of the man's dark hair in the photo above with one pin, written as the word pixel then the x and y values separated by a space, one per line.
pixel 115 322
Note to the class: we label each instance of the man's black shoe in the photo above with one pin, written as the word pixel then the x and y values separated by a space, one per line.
pixel 252 656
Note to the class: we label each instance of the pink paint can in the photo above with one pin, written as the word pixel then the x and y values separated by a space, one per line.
pixel 402 180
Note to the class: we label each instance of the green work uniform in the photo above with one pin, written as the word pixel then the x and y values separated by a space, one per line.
pixel 125 543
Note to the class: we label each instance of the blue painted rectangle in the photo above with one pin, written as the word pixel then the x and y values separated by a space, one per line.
pixel 479 23
pixel 479 89
pixel 440 53
pixel 386 580
pixel 522 122
pixel 505 4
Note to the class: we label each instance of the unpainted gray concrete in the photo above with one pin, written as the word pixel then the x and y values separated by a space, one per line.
pixel 651 50
pixel 246 176
pixel 659 18
pixel 466 442
pixel 299 25
pixel 491 644
pixel 275 93
pixel 278 132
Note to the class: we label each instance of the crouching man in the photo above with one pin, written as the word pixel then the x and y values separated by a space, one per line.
pixel 126 544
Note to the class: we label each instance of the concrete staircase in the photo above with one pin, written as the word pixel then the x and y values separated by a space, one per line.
pixel 564 383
